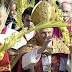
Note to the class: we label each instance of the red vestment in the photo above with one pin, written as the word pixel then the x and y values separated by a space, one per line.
pixel 4 63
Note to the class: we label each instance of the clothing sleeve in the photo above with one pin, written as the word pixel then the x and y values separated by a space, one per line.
pixel 29 59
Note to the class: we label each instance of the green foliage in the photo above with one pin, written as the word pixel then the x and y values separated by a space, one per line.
pixel 10 41
pixel 21 6
pixel 30 3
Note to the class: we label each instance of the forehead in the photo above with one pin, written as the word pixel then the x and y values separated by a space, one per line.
pixel 13 6
pixel 46 30
pixel 66 7
pixel 27 16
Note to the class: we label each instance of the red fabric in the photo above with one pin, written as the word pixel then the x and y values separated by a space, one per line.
pixel 33 36
pixel 18 66
pixel 25 38
pixel 5 60
pixel 69 28
pixel 4 30
pixel 56 60
pixel 69 22
pixel 55 63
pixel 19 29
pixel 24 35
pixel 62 55
pixel 57 33
pixel 38 66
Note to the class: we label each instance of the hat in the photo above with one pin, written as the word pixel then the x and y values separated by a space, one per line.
pixel 42 11
pixel 65 6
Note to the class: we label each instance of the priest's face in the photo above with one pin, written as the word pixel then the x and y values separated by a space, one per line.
pixel 66 8
pixel 27 21
pixel 44 33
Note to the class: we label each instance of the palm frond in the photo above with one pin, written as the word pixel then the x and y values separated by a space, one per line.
pixel 21 6
pixel 10 41
pixel 30 3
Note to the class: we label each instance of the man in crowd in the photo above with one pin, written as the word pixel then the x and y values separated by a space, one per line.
pixel 46 63
pixel 26 18
pixel 11 22
pixel 27 22
pixel 66 8
pixel 29 59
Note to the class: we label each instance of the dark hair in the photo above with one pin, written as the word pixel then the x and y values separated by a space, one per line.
pixel 27 11
pixel 36 1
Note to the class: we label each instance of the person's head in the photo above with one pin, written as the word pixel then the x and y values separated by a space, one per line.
pixel 66 7
pixel 43 33
pixel 26 18
pixel 12 9
pixel 2 14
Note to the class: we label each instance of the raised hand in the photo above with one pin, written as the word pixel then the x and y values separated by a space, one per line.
pixel 45 44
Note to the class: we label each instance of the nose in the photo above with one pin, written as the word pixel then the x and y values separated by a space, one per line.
pixel 47 34
pixel 31 23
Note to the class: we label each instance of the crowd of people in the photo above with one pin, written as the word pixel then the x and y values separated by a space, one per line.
pixel 29 54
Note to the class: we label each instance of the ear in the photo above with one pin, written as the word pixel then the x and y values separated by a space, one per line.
pixel 22 20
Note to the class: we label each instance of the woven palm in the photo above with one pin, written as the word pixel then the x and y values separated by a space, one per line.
pixel 43 11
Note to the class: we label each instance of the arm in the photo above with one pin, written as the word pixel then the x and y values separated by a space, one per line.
pixel 29 59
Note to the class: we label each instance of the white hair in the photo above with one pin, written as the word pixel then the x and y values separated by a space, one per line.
pixel 43 28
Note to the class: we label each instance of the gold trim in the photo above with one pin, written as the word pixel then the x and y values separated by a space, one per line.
pixel 5 68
